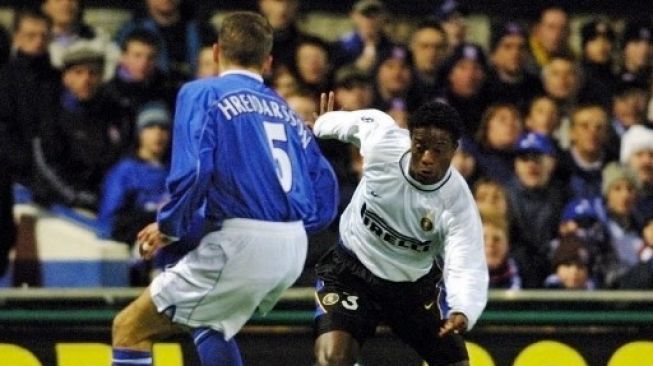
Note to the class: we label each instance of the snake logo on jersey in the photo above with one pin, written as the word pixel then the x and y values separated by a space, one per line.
pixel 391 236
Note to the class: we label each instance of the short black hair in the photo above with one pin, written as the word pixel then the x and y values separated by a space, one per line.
pixel 438 114
pixel 28 13
pixel 143 36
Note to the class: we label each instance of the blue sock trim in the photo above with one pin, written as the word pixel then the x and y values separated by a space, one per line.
pixel 128 357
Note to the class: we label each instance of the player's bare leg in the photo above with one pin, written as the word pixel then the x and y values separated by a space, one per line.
pixel 139 324
pixel 336 348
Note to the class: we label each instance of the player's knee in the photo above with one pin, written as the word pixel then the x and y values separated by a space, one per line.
pixel 332 356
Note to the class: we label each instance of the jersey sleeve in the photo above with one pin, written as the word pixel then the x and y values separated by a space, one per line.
pixel 193 150
pixel 465 269
pixel 325 188
pixel 362 128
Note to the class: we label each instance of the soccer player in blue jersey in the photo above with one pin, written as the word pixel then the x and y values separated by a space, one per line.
pixel 242 156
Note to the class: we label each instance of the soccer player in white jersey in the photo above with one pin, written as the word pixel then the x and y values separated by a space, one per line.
pixel 410 253
pixel 242 157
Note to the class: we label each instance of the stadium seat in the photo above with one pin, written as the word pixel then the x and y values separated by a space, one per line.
pixel 76 354
pixel 17 356
pixel 549 353
pixel 633 354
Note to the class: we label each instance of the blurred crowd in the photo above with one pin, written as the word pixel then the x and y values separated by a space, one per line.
pixel 557 146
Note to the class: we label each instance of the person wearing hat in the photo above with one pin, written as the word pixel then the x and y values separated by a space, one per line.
pixel 535 202
pixel 134 188
pixel 394 90
pixel 637 155
pixel 368 39
pixel 508 79
pixel 619 197
pixel 637 50
pixel 572 266
pixel 463 77
pixel 86 135
pixel 68 28
pixel 597 44
pixel 451 15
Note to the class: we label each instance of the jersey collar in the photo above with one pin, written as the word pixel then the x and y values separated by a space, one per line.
pixel 250 74
pixel 404 165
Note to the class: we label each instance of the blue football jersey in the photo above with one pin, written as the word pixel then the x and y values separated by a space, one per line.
pixel 240 150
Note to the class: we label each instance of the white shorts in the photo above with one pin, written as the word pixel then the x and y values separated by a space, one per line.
pixel 245 265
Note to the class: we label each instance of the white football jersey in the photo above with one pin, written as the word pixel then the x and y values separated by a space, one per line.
pixel 399 228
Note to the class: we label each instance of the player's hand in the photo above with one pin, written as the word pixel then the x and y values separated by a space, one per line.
pixel 327 101
pixel 150 239
pixel 457 324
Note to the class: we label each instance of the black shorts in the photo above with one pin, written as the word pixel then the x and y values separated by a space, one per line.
pixel 352 299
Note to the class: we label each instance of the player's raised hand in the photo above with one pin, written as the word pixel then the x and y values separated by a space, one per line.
pixel 327 102
pixel 150 239
pixel 457 323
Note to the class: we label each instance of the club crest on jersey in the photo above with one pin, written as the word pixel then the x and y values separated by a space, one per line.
pixel 426 224
pixel 331 298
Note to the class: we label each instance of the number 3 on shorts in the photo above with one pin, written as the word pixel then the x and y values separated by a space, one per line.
pixel 351 303
pixel 277 132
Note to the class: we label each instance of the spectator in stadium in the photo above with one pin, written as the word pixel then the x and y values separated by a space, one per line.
pixel 138 80
pixel 29 90
pixel 284 81
pixel 535 202
pixel 5 46
pixel 640 277
pixel 353 89
pixel 585 219
pixel 428 46
pixel 628 109
pixel 82 139
pixel 451 15
pixel 68 27
pixel 637 155
pixel 491 198
pixel 504 273
pixel 312 66
pixel 582 164
pixel 620 194
pixel 179 36
pixel 282 15
pixel 362 46
pixel 134 188
pixel 549 38
pixel 464 160
pixel 636 53
pixel 572 263
pixel 597 45
pixel 542 116
pixel 394 92
pixel 508 79
pixel 463 78
pixel 500 128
